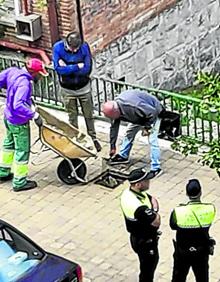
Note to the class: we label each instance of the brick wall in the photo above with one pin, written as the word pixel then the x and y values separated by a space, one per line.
pixel 45 41
pixel 105 21
pixel 66 17
pixel 66 22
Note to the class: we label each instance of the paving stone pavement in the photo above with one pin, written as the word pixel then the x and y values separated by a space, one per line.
pixel 84 222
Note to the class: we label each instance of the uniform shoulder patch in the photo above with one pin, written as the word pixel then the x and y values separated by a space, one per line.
pixel 148 212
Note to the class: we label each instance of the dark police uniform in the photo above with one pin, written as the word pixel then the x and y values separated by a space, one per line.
pixel 138 213
pixel 192 222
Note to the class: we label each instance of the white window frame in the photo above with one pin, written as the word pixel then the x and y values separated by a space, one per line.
pixel 10 20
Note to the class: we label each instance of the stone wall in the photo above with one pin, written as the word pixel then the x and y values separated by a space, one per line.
pixel 169 50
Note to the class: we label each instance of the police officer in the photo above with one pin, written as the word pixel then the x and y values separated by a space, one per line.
pixel 142 221
pixel 193 244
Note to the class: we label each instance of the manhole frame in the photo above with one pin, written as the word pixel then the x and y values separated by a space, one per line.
pixel 118 175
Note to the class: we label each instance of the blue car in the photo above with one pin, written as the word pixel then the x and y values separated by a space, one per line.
pixel 21 260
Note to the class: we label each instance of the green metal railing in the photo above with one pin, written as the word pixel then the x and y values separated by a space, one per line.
pixel 194 122
pixel 46 91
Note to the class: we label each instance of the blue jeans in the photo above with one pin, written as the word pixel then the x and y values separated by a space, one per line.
pixel 127 143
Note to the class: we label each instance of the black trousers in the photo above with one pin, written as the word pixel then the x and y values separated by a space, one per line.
pixel 199 261
pixel 148 255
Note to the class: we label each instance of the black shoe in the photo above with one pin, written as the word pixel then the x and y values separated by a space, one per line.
pixel 28 186
pixel 156 173
pixel 117 159
pixel 7 178
pixel 97 145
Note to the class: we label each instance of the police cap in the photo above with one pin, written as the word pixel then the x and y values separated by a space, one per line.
pixel 138 175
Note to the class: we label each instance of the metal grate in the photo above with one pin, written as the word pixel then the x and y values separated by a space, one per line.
pixel 110 179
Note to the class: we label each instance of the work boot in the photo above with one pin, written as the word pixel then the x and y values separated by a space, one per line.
pixel 117 159
pixel 28 186
pixel 156 173
pixel 6 178
pixel 97 145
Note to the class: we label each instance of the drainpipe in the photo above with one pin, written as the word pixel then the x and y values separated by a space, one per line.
pixel 31 50
pixel 53 21
pixel 79 17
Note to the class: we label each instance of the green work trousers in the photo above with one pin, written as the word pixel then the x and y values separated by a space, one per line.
pixel 15 153
pixel 85 100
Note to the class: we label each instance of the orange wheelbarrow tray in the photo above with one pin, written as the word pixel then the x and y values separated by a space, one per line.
pixel 70 144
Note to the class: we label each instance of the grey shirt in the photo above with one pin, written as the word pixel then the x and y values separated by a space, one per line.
pixel 137 107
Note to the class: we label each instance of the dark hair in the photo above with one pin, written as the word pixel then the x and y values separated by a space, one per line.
pixel 73 40
pixel 193 188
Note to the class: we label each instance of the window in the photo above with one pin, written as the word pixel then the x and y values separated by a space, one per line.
pixel 7 12
pixel 19 244
pixel 6 6
pixel 17 254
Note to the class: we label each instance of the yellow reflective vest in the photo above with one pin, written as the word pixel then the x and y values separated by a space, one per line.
pixel 194 215
pixel 130 201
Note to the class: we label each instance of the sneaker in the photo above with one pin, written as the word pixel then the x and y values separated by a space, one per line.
pixel 117 159
pixel 6 178
pixel 156 173
pixel 97 145
pixel 28 186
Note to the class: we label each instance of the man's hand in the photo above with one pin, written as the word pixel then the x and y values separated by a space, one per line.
pixel 80 65
pixel 61 63
pixel 112 152
pixel 156 222
pixel 38 120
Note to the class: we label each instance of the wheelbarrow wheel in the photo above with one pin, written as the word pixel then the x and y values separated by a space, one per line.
pixel 64 171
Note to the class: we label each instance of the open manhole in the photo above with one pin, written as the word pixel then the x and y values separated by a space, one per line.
pixel 110 179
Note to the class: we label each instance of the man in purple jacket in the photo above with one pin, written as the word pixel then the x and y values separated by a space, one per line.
pixel 18 112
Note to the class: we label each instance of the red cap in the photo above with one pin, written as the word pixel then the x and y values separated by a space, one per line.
pixel 37 65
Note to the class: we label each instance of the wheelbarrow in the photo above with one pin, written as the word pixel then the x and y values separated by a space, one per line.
pixel 70 144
